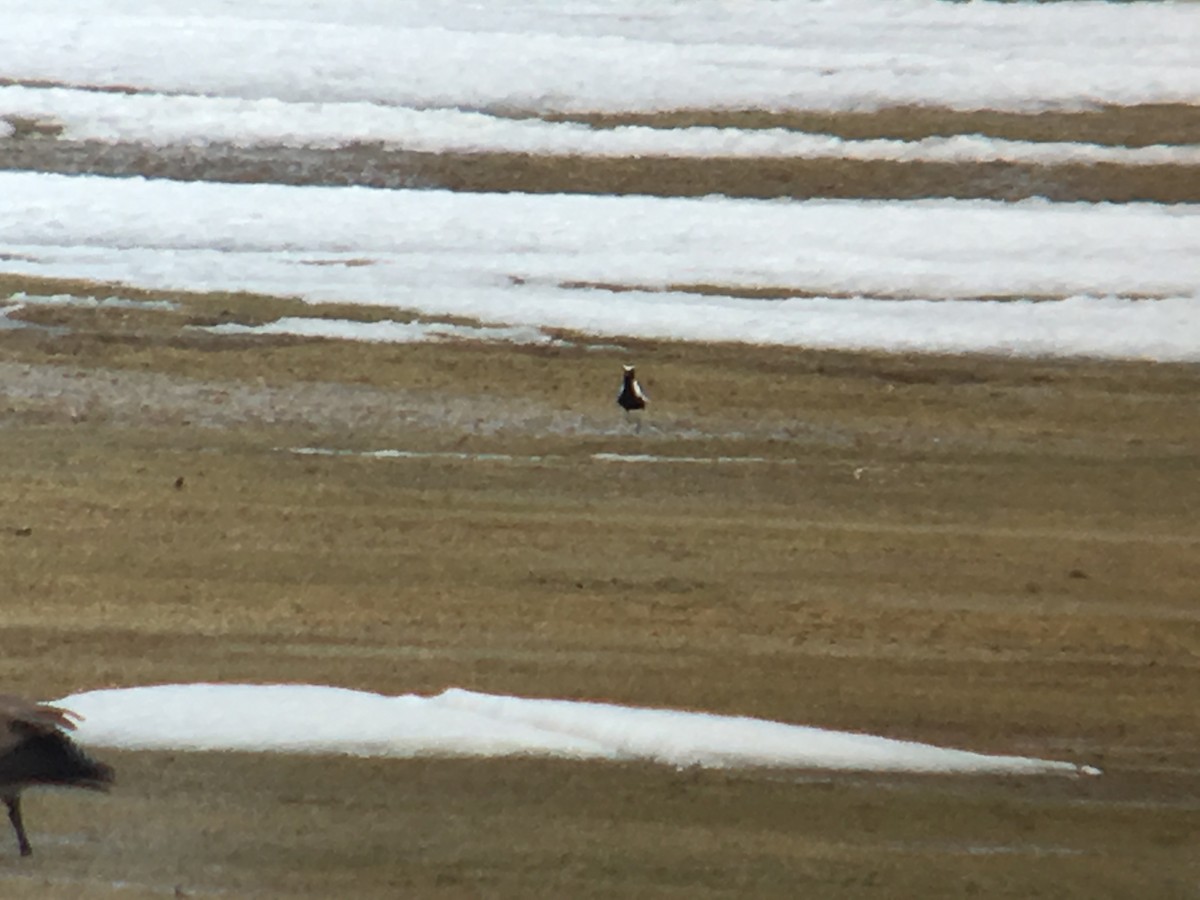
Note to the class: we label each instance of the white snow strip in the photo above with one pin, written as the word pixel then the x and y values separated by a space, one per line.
pixel 162 120
pixel 316 719
pixel 418 454
pixel 510 260
pixel 87 302
pixel 701 460
pixel 387 331
pixel 540 458
pixel 618 55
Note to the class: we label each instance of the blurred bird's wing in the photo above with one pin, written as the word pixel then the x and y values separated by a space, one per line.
pixel 28 715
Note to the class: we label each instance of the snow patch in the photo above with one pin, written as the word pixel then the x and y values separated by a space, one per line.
pixel 319 719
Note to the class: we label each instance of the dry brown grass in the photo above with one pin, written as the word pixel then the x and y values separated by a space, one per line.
pixel 766 177
pixel 323 827
pixel 984 553
pixel 757 177
pixel 1129 126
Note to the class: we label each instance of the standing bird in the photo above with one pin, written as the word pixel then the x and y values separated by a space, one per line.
pixel 35 750
pixel 632 396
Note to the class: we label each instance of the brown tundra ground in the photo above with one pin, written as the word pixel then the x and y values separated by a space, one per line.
pixel 995 554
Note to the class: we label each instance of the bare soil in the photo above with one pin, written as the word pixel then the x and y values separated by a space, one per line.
pixel 1128 126
pixel 977 552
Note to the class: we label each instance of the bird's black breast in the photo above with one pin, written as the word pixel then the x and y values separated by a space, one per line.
pixel 50 757
pixel 631 396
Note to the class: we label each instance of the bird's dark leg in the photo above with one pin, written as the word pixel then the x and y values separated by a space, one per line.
pixel 14 815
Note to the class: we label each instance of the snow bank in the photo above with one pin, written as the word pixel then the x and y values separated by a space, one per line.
pixel 618 55
pixel 518 261
pixel 316 719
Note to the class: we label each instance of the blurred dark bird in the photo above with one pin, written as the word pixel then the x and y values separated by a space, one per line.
pixel 35 750
pixel 632 396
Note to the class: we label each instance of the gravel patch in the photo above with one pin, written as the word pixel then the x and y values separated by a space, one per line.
pixel 59 394
pixel 67 393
